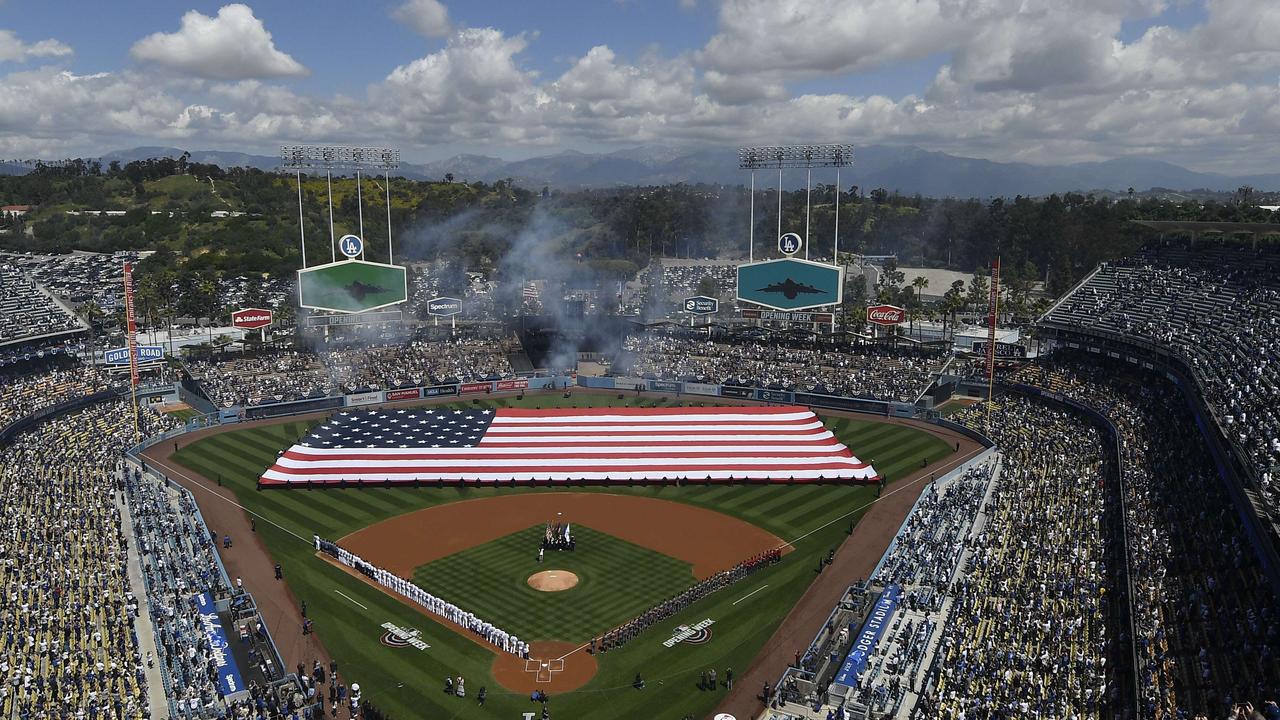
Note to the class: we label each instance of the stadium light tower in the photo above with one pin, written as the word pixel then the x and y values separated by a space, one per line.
pixel 344 157
pixel 795 156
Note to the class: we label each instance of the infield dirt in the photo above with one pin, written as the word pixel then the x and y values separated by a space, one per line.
pixel 710 541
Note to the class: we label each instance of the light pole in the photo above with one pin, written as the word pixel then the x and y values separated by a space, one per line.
pixel 796 156
pixel 332 157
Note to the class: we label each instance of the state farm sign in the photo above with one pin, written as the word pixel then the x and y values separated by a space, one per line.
pixel 885 315
pixel 251 318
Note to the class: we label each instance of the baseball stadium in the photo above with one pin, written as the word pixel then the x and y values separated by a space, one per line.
pixel 355 432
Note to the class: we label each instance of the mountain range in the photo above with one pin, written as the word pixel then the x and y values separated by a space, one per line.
pixel 908 170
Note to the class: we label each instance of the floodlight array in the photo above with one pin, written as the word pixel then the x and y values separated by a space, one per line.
pixel 338 156
pixel 794 156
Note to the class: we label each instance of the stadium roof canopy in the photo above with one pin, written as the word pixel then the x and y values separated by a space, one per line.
pixel 1218 228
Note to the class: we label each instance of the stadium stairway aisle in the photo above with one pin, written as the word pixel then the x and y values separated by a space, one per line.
pixel 146 632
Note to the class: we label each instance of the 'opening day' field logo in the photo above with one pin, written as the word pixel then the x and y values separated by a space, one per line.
pixel 695 634
pixel 398 637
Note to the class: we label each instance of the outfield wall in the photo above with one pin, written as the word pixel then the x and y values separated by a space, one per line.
pixel 741 392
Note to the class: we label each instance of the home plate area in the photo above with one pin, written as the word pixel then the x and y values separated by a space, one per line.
pixel 543 670
pixel 553 667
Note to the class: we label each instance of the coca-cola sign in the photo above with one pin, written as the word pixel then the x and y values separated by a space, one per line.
pixel 251 318
pixel 885 315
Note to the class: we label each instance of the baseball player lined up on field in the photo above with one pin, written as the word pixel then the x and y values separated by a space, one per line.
pixel 447 610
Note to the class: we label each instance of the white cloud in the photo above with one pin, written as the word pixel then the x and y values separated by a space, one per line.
pixel 428 18
pixel 1035 80
pixel 232 46
pixel 13 49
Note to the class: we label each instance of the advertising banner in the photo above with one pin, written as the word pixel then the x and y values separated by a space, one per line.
pixel 145 354
pixel 886 315
pixel 229 680
pixel 440 390
pixel 404 394
pixel 365 398
pixel 701 388
pixel 251 318
pixel 629 383
pixel 735 391
pixel 664 385
pixel 131 324
pixel 519 384
pixel 444 306
pixel 475 387
pixel 701 305
pixel 799 317
pixel 876 623
pixel 364 318
pixel 778 396
pixel 1003 350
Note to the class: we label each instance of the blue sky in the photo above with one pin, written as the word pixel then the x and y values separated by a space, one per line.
pixel 1189 81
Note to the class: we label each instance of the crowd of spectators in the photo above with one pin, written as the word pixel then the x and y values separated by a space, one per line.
pixel 1218 308
pixel 418 363
pixel 178 562
pixel 1207 628
pixel 1027 633
pixel 68 645
pixel 27 389
pixel 256 379
pixel 876 372
pixel 295 375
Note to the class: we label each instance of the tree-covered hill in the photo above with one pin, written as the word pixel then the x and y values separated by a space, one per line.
pixel 213 222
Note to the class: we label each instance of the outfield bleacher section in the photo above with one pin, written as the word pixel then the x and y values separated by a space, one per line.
pixel 873 372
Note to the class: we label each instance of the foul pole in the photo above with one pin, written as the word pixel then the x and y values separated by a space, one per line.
pixel 131 325
pixel 993 311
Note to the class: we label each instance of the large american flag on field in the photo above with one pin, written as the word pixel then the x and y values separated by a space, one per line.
pixel 561 444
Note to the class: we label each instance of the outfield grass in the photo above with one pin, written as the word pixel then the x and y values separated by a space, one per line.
pixel 617 580
pixel 406 682
pixel 184 414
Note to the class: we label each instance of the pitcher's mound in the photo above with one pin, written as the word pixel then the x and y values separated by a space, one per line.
pixel 552 580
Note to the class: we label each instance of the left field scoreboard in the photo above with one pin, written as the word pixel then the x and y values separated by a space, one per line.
pixel 352 286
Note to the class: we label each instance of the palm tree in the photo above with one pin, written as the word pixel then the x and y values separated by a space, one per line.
pixel 92 314
pixel 920 283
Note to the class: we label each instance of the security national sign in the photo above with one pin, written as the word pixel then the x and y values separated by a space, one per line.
pixel 701 305
pixel 251 318
pixel 885 315
pixel 444 306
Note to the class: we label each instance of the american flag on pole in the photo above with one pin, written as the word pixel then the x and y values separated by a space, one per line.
pixel 596 444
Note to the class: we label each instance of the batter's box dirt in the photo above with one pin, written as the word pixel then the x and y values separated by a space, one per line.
pixel 552 667
pixel 543 670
